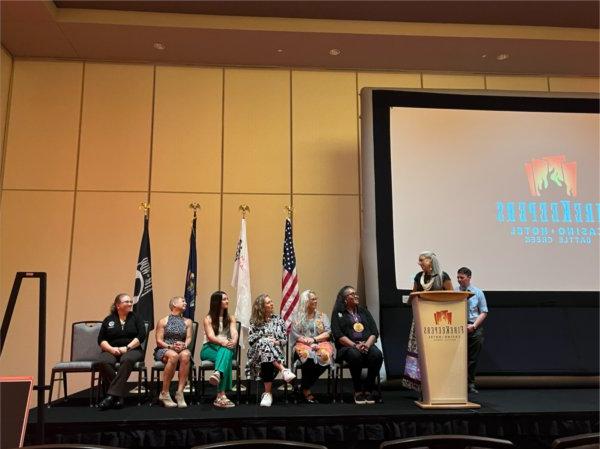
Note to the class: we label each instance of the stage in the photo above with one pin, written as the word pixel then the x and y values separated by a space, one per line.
pixel 531 418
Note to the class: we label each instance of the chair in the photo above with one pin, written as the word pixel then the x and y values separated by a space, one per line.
pixel 338 382
pixel 583 441
pixel 447 442
pixel 236 363
pixel 261 444
pixel 158 366
pixel 70 446
pixel 140 366
pixel 84 353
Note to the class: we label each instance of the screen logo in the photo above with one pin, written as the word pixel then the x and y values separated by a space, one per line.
pixel 552 174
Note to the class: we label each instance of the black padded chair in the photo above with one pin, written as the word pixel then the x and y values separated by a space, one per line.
pixel 208 365
pixel 583 441
pixel 447 442
pixel 158 366
pixel 261 444
pixel 84 353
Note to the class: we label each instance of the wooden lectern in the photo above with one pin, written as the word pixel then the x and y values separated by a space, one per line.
pixel 441 330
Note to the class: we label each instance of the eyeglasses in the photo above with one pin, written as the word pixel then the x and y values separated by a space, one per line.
pixel 127 302
pixel 352 294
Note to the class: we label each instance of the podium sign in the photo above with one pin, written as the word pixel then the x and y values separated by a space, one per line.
pixel 441 330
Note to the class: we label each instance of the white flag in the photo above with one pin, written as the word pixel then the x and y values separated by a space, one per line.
pixel 241 279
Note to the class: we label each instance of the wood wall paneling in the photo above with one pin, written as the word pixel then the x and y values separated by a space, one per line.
pixel 41 151
pixel 186 154
pixel 116 127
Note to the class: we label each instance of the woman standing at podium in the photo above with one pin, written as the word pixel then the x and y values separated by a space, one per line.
pixel 431 277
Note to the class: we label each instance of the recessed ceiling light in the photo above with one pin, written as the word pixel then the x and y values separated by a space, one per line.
pixel 159 45
pixel 280 50
pixel 502 56
pixel 335 52
pixel 483 56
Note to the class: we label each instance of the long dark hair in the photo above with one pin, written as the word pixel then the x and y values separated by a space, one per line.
pixel 340 300
pixel 215 310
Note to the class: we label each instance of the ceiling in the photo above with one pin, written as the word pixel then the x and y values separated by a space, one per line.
pixel 539 37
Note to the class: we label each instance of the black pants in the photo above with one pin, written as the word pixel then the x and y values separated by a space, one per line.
pixel 268 372
pixel 117 381
pixel 357 360
pixel 310 373
pixel 475 343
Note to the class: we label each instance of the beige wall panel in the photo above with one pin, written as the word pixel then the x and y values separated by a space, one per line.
pixel 575 85
pixel 186 155
pixel 528 83
pixel 391 80
pixel 325 140
pixel 171 225
pixel 35 236
pixel 41 150
pixel 257 131
pixel 116 130
pixel 327 242
pixel 265 227
pixel 6 64
pixel 436 81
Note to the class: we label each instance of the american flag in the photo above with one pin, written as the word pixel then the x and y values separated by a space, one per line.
pixel 289 280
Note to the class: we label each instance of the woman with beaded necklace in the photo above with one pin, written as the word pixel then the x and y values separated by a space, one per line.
pixel 431 277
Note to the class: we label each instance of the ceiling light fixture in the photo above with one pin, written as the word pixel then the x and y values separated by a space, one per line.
pixel 159 46
pixel 280 50
pixel 335 52
pixel 502 56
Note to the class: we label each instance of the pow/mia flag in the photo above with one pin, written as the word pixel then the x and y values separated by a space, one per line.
pixel 190 277
pixel 143 300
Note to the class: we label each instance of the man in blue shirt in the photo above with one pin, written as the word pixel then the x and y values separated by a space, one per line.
pixel 477 312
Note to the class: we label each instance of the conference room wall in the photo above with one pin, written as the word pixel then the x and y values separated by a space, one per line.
pixel 5 78
pixel 87 142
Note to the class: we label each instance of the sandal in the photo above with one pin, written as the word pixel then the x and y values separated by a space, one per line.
pixel 223 402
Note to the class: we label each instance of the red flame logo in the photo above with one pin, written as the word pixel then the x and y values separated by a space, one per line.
pixel 551 173
pixel 442 317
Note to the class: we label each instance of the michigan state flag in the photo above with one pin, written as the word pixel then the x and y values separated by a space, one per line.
pixel 143 301
pixel 190 277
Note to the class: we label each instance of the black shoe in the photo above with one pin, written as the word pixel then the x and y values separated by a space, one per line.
pixel 359 398
pixel 472 389
pixel 310 399
pixel 119 402
pixel 369 398
pixel 107 402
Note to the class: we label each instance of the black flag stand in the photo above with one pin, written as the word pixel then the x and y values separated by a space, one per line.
pixel 41 387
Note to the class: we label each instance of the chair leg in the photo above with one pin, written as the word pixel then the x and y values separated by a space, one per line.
pixel 91 388
pixel 64 378
pixel 238 386
pixel 51 388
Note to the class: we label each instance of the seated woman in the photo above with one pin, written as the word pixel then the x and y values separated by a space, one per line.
pixel 173 336
pixel 310 336
pixel 121 334
pixel 221 339
pixel 430 278
pixel 266 338
pixel 355 334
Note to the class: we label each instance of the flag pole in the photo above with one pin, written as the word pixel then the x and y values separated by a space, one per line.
pixel 146 208
pixel 289 210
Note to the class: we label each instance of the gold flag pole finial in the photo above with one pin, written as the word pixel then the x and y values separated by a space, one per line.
pixel 244 209
pixel 146 208
pixel 195 207
pixel 289 210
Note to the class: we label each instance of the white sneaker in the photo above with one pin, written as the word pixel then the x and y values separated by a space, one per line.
pixel 266 400
pixel 287 375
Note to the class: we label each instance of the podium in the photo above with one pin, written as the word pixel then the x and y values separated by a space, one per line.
pixel 441 331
